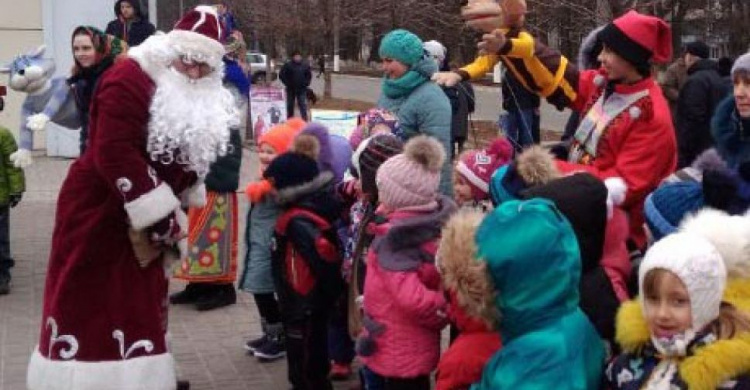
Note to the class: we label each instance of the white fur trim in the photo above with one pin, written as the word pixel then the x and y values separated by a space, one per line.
pixel 599 80
pixel 143 373
pixel 472 177
pixel 195 196
pixel 151 207
pixel 635 112
pixel 616 189
pixel 729 234
pixel 189 42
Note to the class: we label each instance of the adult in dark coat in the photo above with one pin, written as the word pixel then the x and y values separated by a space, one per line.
pixel 296 76
pixel 461 97
pixel 130 25
pixel 698 99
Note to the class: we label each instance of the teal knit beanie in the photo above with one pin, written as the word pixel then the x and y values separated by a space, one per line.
pixel 402 46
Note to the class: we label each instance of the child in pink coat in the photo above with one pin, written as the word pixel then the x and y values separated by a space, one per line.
pixel 404 305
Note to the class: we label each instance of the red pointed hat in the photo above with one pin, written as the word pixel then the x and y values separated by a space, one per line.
pixel 197 35
pixel 639 39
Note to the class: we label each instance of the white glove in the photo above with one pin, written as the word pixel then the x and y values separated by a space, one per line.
pixel 37 122
pixel 21 158
pixel 616 190
pixel 447 79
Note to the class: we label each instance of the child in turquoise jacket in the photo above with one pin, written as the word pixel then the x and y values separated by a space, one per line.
pixel 534 262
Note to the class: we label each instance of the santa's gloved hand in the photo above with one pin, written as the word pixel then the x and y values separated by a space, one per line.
pixel 14 199
pixel 37 122
pixel 21 158
pixel 167 231
pixel 447 79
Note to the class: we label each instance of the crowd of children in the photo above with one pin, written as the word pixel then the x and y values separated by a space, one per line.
pixel 528 266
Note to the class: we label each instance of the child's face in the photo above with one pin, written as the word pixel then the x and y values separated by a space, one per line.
pixel 742 96
pixel 266 154
pixel 617 68
pixel 667 307
pixel 461 190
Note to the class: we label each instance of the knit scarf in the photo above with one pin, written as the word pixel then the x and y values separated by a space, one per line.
pixel 419 74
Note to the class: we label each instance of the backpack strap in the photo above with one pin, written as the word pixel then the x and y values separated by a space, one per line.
pixel 286 218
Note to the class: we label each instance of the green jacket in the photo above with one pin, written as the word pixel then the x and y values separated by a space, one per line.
pixel 12 179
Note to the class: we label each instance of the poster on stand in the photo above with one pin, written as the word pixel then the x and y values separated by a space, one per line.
pixel 340 123
pixel 267 108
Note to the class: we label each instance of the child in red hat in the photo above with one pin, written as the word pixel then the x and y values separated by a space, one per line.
pixel 474 169
pixel 626 129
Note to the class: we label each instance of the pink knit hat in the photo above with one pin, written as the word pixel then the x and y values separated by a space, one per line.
pixel 477 166
pixel 411 178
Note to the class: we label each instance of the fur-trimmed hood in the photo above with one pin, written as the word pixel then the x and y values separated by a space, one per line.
pixel 464 274
pixel 725 129
pixel 316 196
pixel 295 193
pixel 707 368
pixel 400 240
pixel 535 166
pixel 588 54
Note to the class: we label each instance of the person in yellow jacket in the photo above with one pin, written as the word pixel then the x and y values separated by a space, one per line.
pixel 538 68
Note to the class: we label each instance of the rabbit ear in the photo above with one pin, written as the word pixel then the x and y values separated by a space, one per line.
pixel 38 52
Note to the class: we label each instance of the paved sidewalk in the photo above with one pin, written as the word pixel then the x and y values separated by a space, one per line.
pixel 207 346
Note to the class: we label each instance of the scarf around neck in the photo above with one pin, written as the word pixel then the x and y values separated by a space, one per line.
pixel 419 74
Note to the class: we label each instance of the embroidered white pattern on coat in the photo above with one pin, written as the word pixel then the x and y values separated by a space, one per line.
pixel 54 339
pixel 146 345
pixel 124 185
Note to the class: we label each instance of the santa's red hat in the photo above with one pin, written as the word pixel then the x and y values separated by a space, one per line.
pixel 197 35
pixel 639 39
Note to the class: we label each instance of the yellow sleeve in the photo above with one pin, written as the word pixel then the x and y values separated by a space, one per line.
pixel 481 65
pixel 520 47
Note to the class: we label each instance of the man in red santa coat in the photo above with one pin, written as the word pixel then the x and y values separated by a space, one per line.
pixel 158 120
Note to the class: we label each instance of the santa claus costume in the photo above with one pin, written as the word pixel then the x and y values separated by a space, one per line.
pixel 154 131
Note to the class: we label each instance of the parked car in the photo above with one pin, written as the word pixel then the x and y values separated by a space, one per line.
pixel 258 67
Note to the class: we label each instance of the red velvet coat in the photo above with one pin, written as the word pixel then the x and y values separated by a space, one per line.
pixel 99 304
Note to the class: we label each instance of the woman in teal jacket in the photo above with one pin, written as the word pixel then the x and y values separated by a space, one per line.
pixel 421 106
pixel 534 262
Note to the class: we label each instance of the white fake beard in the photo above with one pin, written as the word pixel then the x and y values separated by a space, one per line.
pixel 190 120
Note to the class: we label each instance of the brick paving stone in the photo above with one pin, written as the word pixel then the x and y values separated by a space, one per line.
pixel 208 347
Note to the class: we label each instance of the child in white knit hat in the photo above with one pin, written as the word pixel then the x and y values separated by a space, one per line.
pixel 696 341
